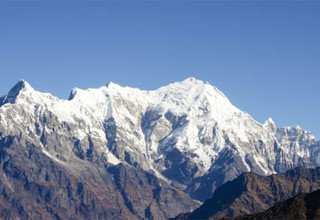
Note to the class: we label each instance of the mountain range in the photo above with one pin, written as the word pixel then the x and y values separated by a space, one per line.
pixel 120 152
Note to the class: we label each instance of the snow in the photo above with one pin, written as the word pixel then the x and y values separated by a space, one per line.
pixel 210 119
pixel 112 159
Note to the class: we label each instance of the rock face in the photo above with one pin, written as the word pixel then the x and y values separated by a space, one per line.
pixel 251 193
pixel 304 206
pixel 178 142
pixel 35 186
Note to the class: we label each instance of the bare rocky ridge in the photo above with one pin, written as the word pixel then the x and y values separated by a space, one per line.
pixel 303 206
pixel 252 193
pixel 179 143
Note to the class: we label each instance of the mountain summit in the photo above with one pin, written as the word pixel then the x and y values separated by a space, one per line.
pixel 21 86
pixel 185 138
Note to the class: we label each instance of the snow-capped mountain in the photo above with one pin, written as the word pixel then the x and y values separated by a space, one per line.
pixel 188 133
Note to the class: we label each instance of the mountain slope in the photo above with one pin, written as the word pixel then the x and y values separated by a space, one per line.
pixel 251 193
pixel 187 135
pixel 304 206
pixel 34 186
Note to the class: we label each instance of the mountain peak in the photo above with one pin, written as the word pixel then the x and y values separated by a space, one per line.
pixel 269 121
pixel 112 85
pixel 20 86
pixel 73 93
pixel 185 86
pixel 270 124
pixel 193 80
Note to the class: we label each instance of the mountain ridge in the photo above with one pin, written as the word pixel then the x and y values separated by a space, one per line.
pixel 302 206
pixel 165 107
pixel 251 193
pixel 188 135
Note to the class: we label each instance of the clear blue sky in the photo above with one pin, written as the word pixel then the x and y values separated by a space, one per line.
pixel 265 56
